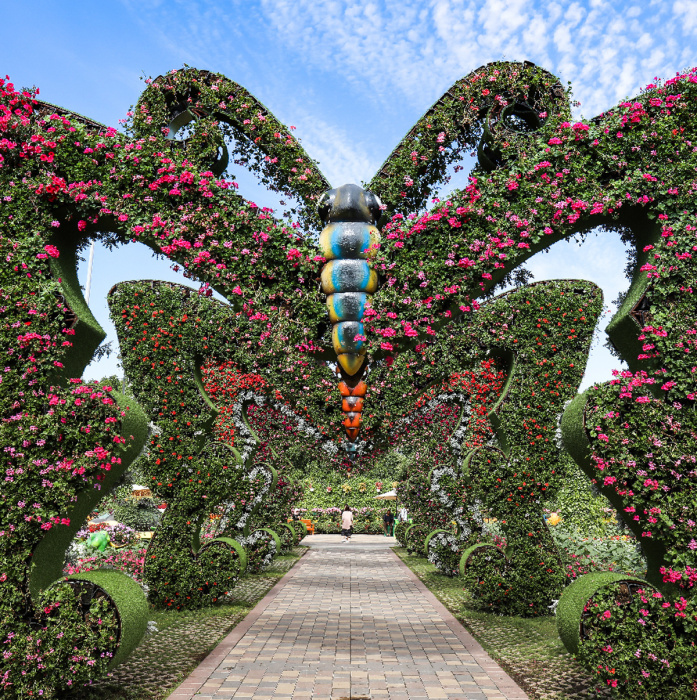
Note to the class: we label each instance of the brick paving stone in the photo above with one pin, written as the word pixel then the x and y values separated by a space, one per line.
pixel 349 620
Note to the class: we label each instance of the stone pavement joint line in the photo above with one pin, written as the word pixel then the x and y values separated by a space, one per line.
pixel 349 621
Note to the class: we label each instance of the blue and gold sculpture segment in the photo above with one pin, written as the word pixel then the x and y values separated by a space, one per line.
pixel 348 240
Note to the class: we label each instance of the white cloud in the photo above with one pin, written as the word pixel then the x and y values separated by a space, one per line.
pixel 686 11
pixel 418 49
pixel 340 159
pixel 395 52
pixel 575 14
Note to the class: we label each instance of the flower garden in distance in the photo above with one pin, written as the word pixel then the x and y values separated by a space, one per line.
pixel 363 345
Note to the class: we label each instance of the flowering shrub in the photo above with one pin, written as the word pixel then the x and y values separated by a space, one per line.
pixel 444 550
pixel 121 535
pixel 129 561
pixel 287 537
pixel 141 514
pixel 184 468
pixel 635 639
pixel 613 552
pixel 63 442
pixel 400 531
pixel 542 333
pixel 546 328
pixel 415 537
pixel 581 507
pixel 261 546
pixel 541 178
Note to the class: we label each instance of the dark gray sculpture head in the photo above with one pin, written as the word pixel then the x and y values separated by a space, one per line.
pixel 349 203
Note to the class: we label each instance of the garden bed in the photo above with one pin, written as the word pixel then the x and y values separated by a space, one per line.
pixel 182 640
pixel 529 650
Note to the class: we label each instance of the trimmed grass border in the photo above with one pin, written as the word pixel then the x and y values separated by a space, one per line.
pixel 165 657
pixel 528 649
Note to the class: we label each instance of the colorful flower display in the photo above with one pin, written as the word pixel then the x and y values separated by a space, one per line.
pixel 541 177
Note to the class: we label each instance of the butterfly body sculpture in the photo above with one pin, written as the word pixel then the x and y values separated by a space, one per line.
pixel 348 240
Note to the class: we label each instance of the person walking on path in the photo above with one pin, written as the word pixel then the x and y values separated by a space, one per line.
pixel 388 522
pixel 346 523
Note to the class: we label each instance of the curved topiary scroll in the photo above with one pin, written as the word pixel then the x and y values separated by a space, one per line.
pixel 65 443
pixel 164 331
pixel 541 334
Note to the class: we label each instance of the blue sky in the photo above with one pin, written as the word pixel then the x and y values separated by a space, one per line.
pixel 352 75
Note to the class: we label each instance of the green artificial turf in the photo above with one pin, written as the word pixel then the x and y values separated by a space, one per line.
pixel 528 649
pixel 183 639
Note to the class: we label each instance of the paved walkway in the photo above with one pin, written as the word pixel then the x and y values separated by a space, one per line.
pixel 349 622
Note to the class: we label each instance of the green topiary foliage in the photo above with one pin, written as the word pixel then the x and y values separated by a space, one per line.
pixel 639 451
pixel 48 555
pixel 414 538
pixel 182 467
pixel 242 558
pixel 572 605
pixel 541 178
pixel 247 515
pixel 430 535
pixel 487 573
pixel 261 546
pixel 63 446
pixel 127 597
pixel 181 97
pixel 180 575
pixel 546 329
pixel 637 641
pixel 287 537
pixel 542 332
pixel 141 514
pixel 443 548
pixel 400 532
pixel 581 509
pixel 88 334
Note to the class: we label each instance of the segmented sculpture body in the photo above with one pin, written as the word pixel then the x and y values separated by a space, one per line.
pixel 349 239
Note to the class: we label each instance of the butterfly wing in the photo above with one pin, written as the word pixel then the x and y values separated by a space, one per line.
pixel 501 100
pixel 221 109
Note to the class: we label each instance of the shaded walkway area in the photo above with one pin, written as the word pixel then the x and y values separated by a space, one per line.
pixel 349 621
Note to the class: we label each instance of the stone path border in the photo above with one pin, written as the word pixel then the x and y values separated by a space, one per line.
pixel 198 677
pixel 435 657
pixel 503 681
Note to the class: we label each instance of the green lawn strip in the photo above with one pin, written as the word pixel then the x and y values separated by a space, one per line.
pixel 528 649
pixel 183 639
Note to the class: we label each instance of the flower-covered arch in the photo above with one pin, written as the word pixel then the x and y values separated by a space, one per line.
pixel 541 178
